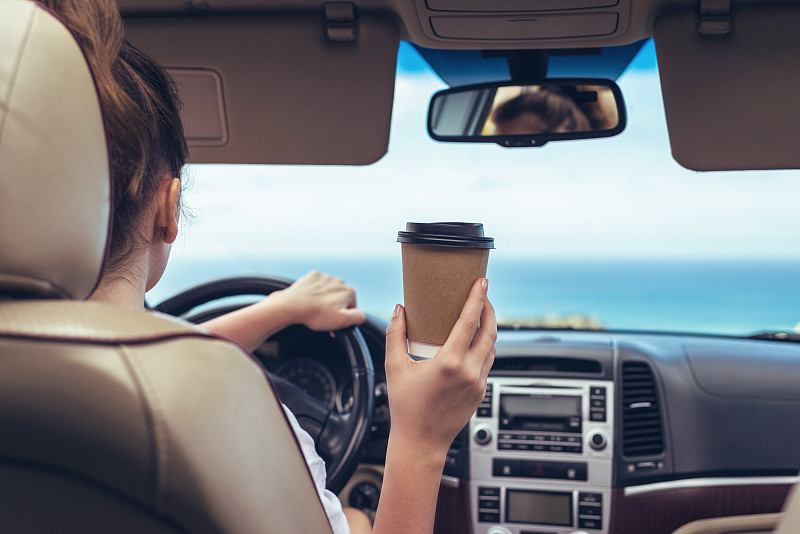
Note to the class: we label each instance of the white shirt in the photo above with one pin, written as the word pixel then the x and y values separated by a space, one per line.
pixel 333 508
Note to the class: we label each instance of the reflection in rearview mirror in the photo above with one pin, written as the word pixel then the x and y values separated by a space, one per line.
pixel 529 114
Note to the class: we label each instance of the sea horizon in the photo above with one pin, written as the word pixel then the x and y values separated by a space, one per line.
pixel 727 296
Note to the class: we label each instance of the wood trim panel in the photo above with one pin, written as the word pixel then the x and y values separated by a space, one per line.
pixel 452 510
pixel 664 511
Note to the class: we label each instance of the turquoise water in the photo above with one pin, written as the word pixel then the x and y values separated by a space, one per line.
pixel 727 297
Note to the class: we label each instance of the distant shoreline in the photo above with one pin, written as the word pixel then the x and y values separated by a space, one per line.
pixel 720 296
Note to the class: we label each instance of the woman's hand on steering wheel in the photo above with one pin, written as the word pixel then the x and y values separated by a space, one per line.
pixel 320 302
pixel 316 300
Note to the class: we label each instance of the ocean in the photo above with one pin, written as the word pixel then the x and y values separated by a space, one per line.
pixel 702 296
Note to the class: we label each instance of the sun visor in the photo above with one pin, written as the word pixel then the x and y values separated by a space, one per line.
pixel 283 90
pixel 731 99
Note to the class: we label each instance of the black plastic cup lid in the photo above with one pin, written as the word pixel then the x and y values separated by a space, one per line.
pixel 446 234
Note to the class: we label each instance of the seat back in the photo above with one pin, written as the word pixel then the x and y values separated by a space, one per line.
pixel 790 523
pixel 112 419
pixel 115 420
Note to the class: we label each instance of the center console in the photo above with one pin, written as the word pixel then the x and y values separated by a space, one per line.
pixel 540 454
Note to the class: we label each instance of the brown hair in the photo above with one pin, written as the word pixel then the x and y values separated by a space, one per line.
pixel 141 110
pixel 558 111
pixel 155 94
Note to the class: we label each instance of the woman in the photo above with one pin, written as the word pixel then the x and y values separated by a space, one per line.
pixel 430 401
pixel 543 111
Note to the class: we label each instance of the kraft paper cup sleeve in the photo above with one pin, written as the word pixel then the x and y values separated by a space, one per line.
pixel 436 283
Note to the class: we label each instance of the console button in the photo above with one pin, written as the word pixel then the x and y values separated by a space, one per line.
pixel 531 469
pixel 587 510
pixel 574 471
pixel 488 517
pixel 563 448
pixel 597 441
pixel 484 411
pixel 598 403
pixel 506 468
pixel 483 436
pixel 597 416
pixel 589 523
pixel 489 504
pixel 590 497
pixel 597 391
pixel 488 492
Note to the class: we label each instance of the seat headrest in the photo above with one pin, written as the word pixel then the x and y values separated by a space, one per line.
pixel 55 189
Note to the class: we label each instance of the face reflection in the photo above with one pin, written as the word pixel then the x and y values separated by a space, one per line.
pixel 524 124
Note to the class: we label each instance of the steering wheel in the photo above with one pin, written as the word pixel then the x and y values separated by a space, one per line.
pixel 339 438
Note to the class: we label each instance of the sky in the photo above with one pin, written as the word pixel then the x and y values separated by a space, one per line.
pixel 622 197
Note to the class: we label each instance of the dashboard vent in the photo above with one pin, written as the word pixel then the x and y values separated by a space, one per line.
pixel 641 415
pixel 546 364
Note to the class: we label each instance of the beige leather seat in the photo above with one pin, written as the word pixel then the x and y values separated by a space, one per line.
pixel 787 522
pixel 111 420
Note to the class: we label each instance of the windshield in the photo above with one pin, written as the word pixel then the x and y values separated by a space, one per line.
pixel 608 233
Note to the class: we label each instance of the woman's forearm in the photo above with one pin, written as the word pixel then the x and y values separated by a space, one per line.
pixel 251 326
pixel 410 489
pixel 316 300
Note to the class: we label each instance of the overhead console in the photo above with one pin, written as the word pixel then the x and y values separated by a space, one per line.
pixel 506 23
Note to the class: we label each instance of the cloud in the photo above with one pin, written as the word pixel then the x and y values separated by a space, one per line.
pixel 618 197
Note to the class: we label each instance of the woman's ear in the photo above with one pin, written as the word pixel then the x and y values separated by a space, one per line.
pixel 168 210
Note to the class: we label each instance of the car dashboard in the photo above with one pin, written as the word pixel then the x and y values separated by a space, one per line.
pixel 628 433
pixel 598 432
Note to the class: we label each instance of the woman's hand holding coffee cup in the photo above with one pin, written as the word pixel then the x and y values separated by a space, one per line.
pixel 451 330
pixel 430 401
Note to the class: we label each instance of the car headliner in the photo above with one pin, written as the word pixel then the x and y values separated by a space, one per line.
pixel 314 81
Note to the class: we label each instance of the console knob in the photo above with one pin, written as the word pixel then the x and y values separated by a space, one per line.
pixel 482 434
pixel 498 530
pixel 598 440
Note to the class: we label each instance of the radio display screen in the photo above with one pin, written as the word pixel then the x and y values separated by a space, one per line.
pixel 539 507
pixel 540 412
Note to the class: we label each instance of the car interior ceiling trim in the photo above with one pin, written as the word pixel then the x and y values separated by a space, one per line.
pixel 710 482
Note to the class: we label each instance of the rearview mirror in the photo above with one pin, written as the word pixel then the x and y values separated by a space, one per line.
pixel 527 115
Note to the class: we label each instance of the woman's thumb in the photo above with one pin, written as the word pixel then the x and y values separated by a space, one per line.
pixel 396 345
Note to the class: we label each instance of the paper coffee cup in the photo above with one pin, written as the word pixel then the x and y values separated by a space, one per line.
pixel 441 261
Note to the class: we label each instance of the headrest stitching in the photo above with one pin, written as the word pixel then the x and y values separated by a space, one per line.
pixel 158 438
